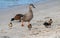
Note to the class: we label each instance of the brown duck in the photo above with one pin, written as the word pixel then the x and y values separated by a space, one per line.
pixel 28 16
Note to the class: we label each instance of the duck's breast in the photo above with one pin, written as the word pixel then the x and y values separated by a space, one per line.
pixel 28 16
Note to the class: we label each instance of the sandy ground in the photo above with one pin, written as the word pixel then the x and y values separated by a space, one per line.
pixel 42 12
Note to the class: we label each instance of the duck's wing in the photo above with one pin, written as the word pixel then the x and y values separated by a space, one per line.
pixel 21 15
pixel 25 15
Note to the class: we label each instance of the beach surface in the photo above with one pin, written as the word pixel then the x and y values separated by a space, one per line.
pixel 42 12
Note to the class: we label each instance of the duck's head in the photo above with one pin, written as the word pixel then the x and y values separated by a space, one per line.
pixel 31 5
pixel 50 19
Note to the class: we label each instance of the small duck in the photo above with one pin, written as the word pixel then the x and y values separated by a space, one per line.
pixel 10 25
pixel 48 23
pixel 29 27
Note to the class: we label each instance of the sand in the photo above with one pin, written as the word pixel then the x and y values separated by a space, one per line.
pixel 42 12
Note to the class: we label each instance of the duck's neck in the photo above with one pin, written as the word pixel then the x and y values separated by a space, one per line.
pixel 30 10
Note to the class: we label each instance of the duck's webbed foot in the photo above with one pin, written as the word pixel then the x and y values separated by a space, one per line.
pixel 29 26
pixel 22 25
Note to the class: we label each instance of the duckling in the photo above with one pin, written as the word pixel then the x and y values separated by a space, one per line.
pixel 10 25
pixel 48 23
pixel 29 27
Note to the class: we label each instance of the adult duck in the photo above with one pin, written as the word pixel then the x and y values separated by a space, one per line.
pixel 28 16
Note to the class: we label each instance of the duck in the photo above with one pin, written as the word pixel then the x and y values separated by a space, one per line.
pixel 46 24
pixel 28 16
